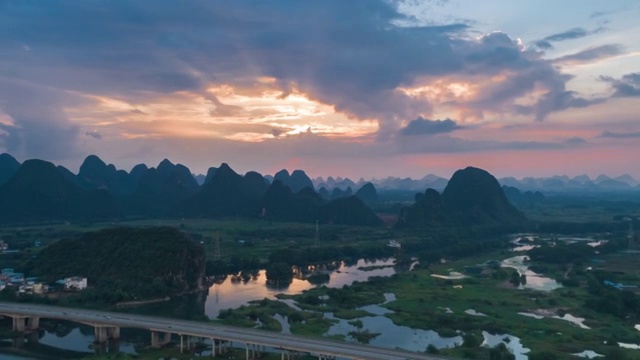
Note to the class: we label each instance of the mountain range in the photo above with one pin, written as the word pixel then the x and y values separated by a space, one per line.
pixel 38 190
pixel 553 184
pixel 581 183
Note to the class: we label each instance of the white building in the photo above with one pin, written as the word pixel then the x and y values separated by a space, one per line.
pixel 40 288
pixel 75 283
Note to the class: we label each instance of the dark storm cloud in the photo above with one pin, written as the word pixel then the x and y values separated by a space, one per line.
pixel 616 135
pixel 345 53
pixel 421 126
pixel 571 34
pixel 592 54
pixel 627 86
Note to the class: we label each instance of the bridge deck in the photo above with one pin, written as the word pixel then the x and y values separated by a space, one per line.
pixel 213 331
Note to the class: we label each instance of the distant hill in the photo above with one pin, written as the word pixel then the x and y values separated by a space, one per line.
pixel 367 193
pixel 577 184
pixel 297 181
pixel 280 203
pixel 127 263
pixel 227 193
pixel 349 211
pixel 338 193
pixel 8 166
pixel 95 174
pixel 389 183
pixel 160 191
pixel 477 196
pixel 39 190
pixel 472 197
pixel 523 199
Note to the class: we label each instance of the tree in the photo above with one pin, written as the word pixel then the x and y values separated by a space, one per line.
pixel 279 274
pixel 501 352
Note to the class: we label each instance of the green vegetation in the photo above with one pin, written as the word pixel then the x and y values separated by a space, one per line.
pixel 363 336
pixel 421 301
pixel 125 264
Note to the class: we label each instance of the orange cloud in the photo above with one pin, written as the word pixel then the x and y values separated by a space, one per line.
pixel 249 114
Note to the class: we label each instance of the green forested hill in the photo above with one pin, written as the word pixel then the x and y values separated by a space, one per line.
pixel 136 263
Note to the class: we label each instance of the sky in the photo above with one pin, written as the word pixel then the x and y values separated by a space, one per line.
pixel 362 88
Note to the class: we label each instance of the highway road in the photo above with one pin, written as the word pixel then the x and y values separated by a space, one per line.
pixel 214 331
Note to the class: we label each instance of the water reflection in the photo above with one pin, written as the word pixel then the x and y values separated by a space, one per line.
pixel 524 248
pixel 589 354
pixel 64 340
pixel 236 290
pixel 392 335
pixel 452 276
pixel 511 342
pixel 77 340
pixel 534 281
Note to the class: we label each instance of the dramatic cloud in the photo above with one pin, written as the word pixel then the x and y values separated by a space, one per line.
pixel 421 126
pixel 350 55
pixel 591 54
pixel 297 79
pixel 627 86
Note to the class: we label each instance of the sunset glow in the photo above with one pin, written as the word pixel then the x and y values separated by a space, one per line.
pixel 406 85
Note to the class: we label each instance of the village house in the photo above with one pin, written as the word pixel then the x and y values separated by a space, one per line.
pixel 75 283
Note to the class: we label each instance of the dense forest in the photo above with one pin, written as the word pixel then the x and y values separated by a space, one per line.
pixel 126 263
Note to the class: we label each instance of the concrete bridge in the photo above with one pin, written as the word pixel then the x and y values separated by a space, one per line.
pixel 26 318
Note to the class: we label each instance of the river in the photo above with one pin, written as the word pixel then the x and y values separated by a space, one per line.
pixel 76 341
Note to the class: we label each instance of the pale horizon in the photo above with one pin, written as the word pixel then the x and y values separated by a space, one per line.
pixel 76 167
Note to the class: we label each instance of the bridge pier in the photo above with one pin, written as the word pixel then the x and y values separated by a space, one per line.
pixel 182 343
pixel 214 346
pixel 160 339
pixel 219 347
pixel 104 333
pixel 252 351
pixel 22 323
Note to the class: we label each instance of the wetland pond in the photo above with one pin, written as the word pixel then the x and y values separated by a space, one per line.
pixel 234 291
